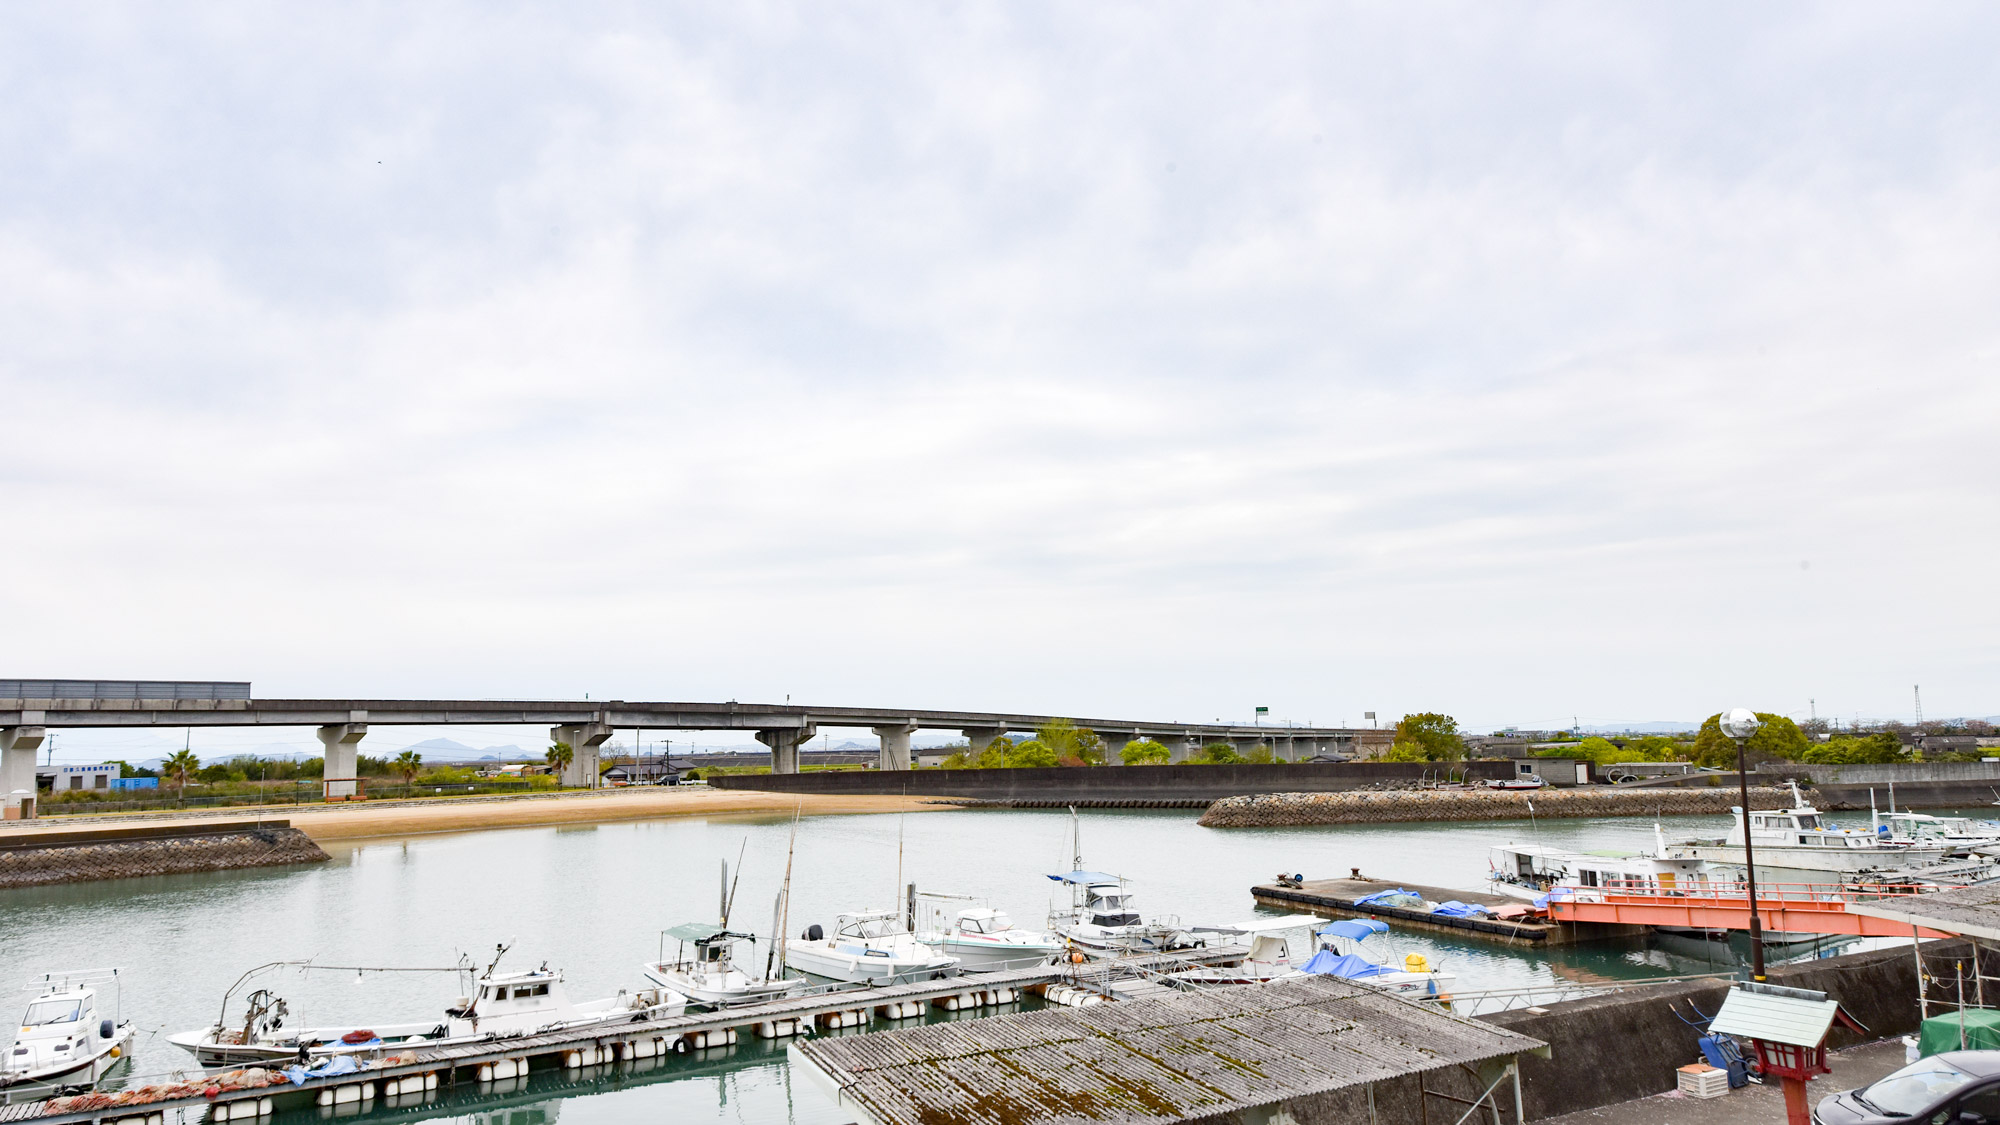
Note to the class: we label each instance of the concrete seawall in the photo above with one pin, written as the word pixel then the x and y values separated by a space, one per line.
pixel 1277 810
pixel 44 858
pixel 1614 1048
pixel 1089 785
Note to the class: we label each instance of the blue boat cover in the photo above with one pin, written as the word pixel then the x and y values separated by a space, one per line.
pixel 1457 909
pixel 1328 963
pixel 1354 929
pixel 1085 877
pixel 1542 901
pixel 1382 898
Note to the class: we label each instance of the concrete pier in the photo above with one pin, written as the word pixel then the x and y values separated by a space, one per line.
pixel 895 745
pixel 17 769
pixel 343 753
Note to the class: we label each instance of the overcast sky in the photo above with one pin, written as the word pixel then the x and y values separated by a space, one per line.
pixel 1516 361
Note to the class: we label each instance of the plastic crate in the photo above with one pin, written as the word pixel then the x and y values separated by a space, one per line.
pixel 1700 1080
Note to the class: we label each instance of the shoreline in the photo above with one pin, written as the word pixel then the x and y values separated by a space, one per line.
pixel 419 816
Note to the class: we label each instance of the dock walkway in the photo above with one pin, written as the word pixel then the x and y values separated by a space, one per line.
pixel 1336 898
pixel 504 1058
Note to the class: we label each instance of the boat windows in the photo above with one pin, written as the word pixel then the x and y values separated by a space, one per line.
pixel 1808 822
pixel 1104 919
pixel 42 1013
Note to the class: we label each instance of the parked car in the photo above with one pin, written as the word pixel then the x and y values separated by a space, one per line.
pixel 1951 1087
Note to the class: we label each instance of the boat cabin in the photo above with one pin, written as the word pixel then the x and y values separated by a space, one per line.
pixel 870 924
pixel 1109 905
pixel 56 1028
pixel 521 996
pixel 1799 826
pixel 982 920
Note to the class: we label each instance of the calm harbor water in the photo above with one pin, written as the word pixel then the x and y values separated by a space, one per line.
pixel 591 900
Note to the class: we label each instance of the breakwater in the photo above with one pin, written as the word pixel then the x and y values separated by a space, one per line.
pixel 1278 810
pixel 42 858
pixel 1059 786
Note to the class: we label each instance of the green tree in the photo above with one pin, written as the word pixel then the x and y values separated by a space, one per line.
pixel 1879 747
pixel 1145 752
pixel 180 766
pixel 1069 742
pixel 1217 754
pixel 1260 755
pixel 1032 754
pixel 407 764
pixel 994 757
pixel 1779 737
pixel 1405 752
pixel 559 755
pixel 956 760
pixel 1434 736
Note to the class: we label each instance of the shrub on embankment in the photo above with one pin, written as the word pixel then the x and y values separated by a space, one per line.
pixel 1275 810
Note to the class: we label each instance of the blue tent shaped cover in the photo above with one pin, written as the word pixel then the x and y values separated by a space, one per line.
pixel 1354 929
pixel 1383 898
pixel 1085 877
pixel 1457 909
pixel 1328 963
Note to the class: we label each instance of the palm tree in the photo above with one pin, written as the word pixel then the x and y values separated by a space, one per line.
pixel 178 767
pixel 407 763
pixel 559 757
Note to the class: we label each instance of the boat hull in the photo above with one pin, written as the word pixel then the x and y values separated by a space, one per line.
pixel 34 1085
pixel 864 968
pixel 995 957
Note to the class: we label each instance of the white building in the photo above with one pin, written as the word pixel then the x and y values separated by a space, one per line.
pixel 86 777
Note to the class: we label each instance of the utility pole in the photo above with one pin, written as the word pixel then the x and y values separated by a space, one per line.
pixel 1739 724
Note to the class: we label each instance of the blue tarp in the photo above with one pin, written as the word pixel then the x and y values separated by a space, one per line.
pixel 1354 929
pixel 1085 877
pixel 1328 963
pixel 1457 909
pixel 325 1068
pixel 1387 898
pixel 1542 901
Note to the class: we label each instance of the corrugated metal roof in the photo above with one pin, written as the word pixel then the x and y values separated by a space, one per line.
pixel 1167 1059
pixel 1775 1019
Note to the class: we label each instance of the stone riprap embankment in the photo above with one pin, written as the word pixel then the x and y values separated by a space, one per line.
pixel 1276 810
pixel 36 859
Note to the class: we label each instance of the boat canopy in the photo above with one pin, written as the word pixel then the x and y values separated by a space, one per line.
pixel 1354 929
pixel 694 931
pixel 1330 964
pixel 1085 877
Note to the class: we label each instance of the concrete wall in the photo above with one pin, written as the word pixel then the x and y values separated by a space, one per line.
pixel 1205 783
pixel 1902 773
pixel 1614 1048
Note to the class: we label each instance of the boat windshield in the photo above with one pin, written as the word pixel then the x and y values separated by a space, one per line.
pixel 44 1012
pixel 1000 922
pixel 1104 918
pixel 871 928
pixel 1914 1088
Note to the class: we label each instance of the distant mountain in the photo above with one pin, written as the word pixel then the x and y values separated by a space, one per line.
pixel 442 748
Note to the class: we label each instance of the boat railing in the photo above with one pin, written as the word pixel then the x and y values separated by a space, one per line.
pixel 1617 890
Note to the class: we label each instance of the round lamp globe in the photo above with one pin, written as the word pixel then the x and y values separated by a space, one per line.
pixel 1740 723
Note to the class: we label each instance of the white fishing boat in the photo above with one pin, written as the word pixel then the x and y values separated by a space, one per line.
pixel 65 1035
pixel 1277 946
pixel 1101 917
pixel 1528 871
pixel 983 939
pixel 498 1005
pixel 1960 835
pixel 1796 845
pixel 710 974
pixel 1344 952
pixel 868 947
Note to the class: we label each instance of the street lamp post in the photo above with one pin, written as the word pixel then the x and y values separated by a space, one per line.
pixel 1739 724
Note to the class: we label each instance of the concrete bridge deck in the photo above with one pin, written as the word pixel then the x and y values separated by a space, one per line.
pixel 29 708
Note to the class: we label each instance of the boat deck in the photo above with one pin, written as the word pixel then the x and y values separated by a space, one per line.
pixel 1100 976
pixel 1336 898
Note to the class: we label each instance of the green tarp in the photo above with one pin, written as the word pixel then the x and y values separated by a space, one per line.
pixel 1942 1033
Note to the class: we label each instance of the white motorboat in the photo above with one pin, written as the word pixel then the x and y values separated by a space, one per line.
pixel 499 1004
pixel 983 939
pixel 868 947
pixel 1278 947
pixel 1528 871
pixel 1344 953
pixel 1960 835
pixel 712 975
pixel 1100 916
pixel 65 1036
pixel 1795 845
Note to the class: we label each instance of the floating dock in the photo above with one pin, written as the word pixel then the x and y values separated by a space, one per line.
pixel 1336 898
pixel 418 1073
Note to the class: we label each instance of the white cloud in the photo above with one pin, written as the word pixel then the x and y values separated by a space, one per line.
pixel 1109 360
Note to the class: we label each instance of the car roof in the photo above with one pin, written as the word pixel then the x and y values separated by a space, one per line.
pixel 1985 1064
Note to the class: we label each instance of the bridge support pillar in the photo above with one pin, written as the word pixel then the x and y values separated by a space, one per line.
pixel 1115 742
pixel 979 738
pixel 17 770
pixel 784 744
pixel 895 746
pixel 343 754
pixel 1245 744
pixel 1180 748
pixel 585 741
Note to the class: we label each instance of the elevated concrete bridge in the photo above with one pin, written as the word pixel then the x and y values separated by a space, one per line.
pixel 29 708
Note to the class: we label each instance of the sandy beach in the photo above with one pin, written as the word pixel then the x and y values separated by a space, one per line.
pixel 462 814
